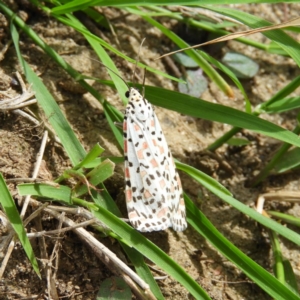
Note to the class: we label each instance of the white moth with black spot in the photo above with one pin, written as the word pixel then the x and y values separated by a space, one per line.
pixel 153 189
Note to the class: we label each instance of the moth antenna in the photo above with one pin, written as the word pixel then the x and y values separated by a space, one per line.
pixel 145 71
pixel 116 74
pixel 137 61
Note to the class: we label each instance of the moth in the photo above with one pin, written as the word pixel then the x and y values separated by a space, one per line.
pixel 153 189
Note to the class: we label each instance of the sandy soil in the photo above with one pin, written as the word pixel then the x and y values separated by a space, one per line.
pixel 79 273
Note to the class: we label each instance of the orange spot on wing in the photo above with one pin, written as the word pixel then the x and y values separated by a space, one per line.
pixel 172 189
pixel 132 215
pixel 140 154
pixel 163 212
pixel 154 163
pixel 147 194
pixel 161 150
pixel 143 173
pixel 125 146
pixel 154 142
pixel 136 127
pixel 127 175
pixel 162 183
pixel 128 195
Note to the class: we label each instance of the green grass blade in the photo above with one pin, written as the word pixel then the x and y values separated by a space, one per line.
pixel 289 161
pixel 198 108
pixel 285 217
pixel 284 92
pixel 149 250
pixel 14 218
pixel 259 275
pixel 96 176
pixel 275 158
pixel 105 201
pixel 113 115
pixel 214 188
pixel 278 36
pixel 51 109
pixel 205 66
pixel 290 277
pixel 55 117
pixel 277 257
pixel 75 5
pixel 282 105
pixel 209 181
pixel 103 56
pixel 91 156
pixel 231 75
pixel 57 192
pixel 143 270
pixel 78 26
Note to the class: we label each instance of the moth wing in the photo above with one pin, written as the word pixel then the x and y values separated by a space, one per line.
pixel 145 186
pixel 173 188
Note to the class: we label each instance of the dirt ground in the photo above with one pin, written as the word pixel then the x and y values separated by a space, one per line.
pixel 79 273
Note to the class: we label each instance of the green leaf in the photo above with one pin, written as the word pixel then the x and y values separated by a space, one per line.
pixel 285 217
pixel 184 60
pixel 91 156
pixel 290 276
pixel 195 55
pixel 55 192
pixel 96 176
pixel 286 42
pixel 221 192
pixel 51 109
pixel 241 65
pixel 289 161
pixel 152 252
pixel 260 276
pixel 238 142
pixel 198 108
pixel 196 83
pixel 14 218
pixel 282 105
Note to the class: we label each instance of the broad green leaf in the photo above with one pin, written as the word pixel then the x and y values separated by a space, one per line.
pixel 91 156
pixel 196 83
pixel 55 192
pixel 96 176
pixel 241 65
pixel 185 60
